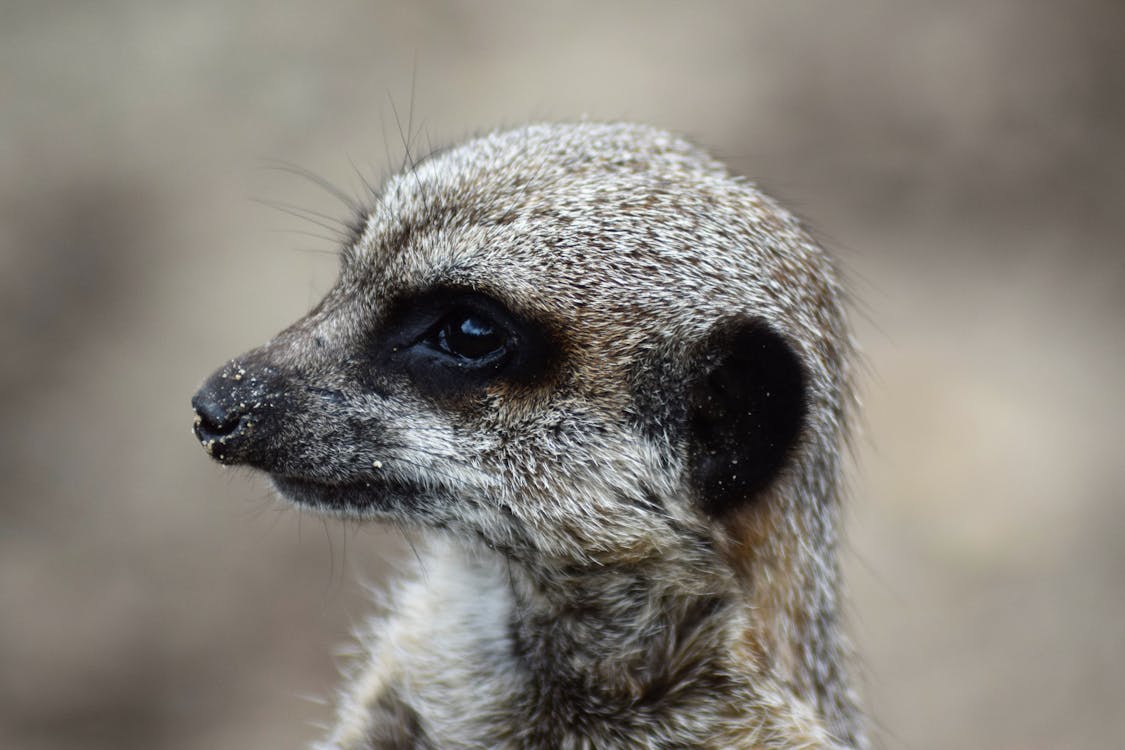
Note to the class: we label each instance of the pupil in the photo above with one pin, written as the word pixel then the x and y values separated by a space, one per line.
pixel 473 337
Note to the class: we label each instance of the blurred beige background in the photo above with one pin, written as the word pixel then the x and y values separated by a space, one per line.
pixel 965 159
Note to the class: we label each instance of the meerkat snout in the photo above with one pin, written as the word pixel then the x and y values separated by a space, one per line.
pixel 226 407
pixel 610 384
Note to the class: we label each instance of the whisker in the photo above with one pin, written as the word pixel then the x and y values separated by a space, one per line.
pixel 331 558
pixel 321 182
pixel 338 230
pixel 386 141
pixel 362 178
pixel 413 91
pixel 408 157
pixel 414 549
pixel 314 235
pixel 290 207
pixel 318 251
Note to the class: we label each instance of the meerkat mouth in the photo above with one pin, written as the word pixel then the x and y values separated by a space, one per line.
pixel 360 497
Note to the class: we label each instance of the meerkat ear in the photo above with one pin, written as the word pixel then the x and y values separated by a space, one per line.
pixel 746 405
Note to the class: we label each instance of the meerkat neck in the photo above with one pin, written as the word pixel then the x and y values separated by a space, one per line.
pixel 615 632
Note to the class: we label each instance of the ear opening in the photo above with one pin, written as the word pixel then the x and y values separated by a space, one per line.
pixel 746 408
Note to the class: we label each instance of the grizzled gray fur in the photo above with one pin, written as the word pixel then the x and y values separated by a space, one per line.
pixel 609 384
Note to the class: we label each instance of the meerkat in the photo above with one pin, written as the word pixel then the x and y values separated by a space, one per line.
pixel 610 383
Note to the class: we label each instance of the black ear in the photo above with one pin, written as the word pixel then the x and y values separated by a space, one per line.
pixel 746 406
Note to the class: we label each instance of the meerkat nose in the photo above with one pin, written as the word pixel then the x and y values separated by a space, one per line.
pixel 224 413
pixel 218 424
pixel 214 421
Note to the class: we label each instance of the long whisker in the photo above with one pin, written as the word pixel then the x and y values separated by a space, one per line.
pixel 414 549
pixel 338 229
pixel 408 157
pixel 293 210
pixel 363 178
pixel 314 235
pixel 298 171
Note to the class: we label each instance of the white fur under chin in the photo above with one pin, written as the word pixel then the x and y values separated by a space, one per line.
pixel 449 629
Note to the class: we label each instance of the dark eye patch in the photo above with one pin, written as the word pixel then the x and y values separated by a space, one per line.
pixel 450 342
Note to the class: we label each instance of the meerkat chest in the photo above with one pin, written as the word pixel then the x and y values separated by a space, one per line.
pixel 441 671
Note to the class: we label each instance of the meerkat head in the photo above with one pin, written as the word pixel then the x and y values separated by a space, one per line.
pixel 579 344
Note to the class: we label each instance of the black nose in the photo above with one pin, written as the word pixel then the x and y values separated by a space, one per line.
pixel 228 409
pixel 215 420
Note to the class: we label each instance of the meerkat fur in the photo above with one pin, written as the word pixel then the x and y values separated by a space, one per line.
pixel 608 385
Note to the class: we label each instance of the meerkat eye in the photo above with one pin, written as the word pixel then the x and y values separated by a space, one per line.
pixel 455 341
pixel 470 335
